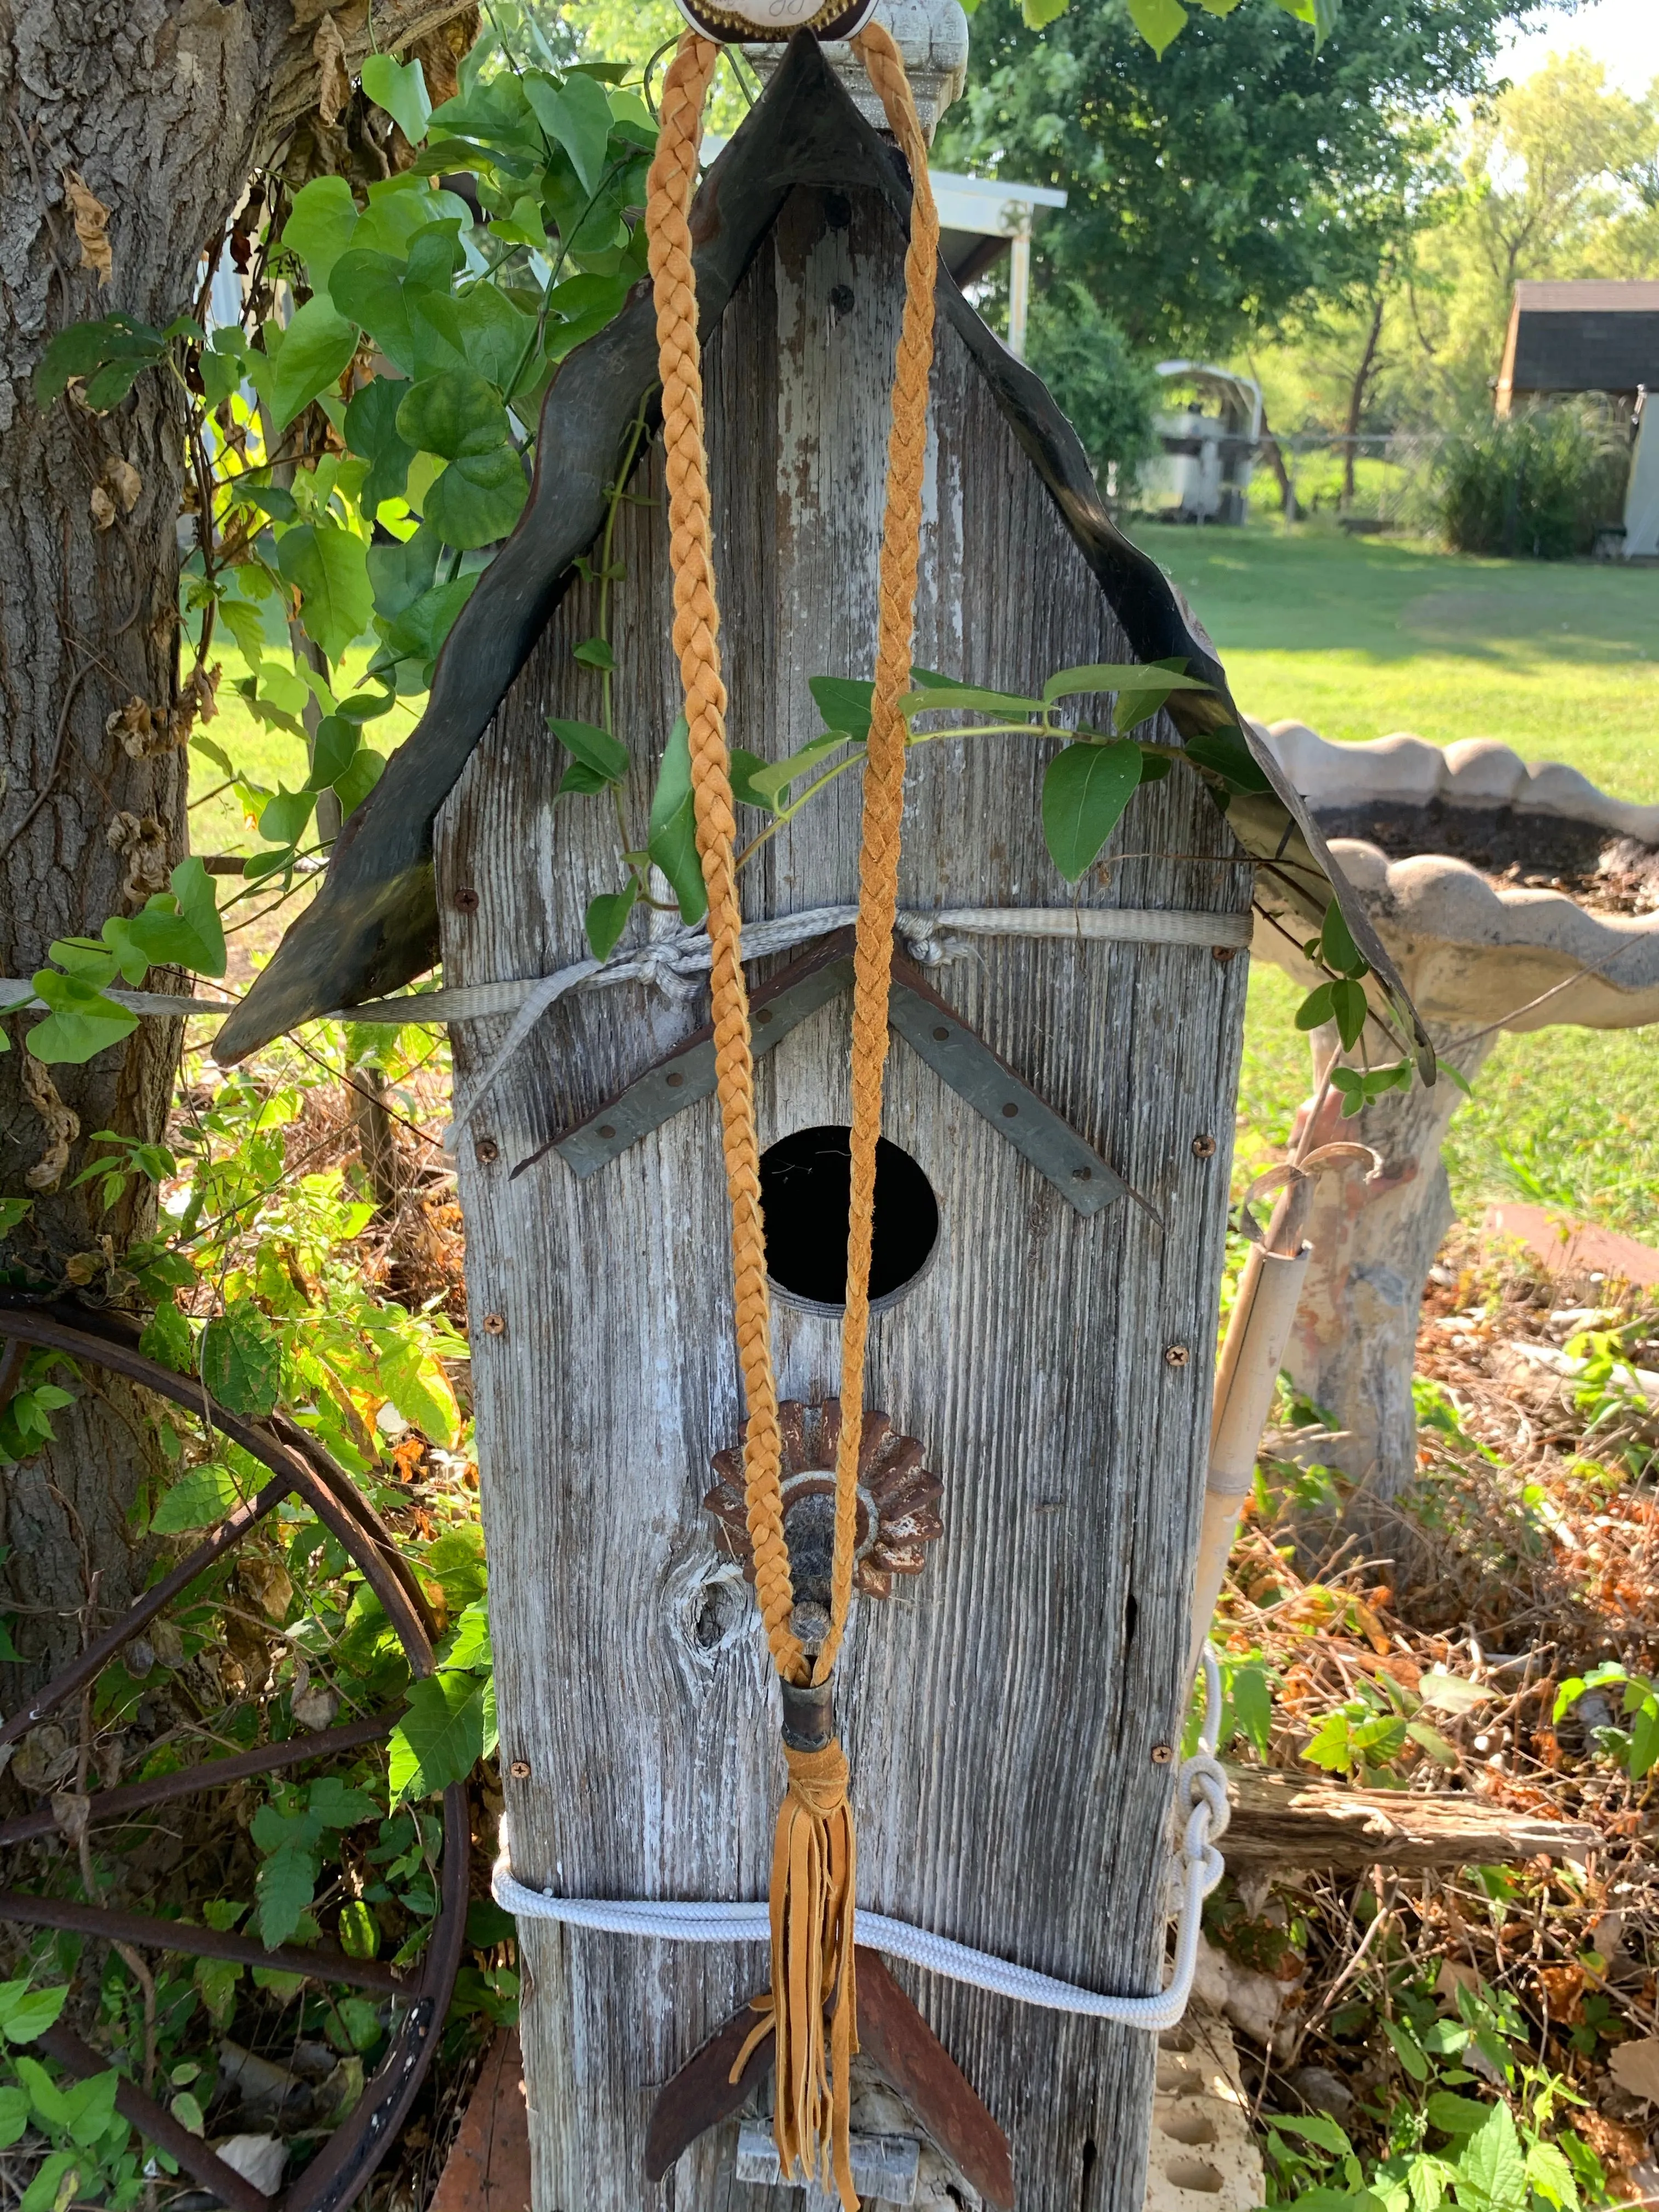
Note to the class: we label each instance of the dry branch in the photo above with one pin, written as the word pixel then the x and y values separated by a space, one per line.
pixel 1280 1821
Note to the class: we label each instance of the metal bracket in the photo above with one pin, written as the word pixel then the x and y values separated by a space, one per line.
pixel 932 1027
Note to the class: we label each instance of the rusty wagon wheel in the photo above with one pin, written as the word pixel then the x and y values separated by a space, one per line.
pixel 299 1468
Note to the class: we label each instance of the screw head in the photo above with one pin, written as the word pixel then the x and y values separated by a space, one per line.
pixel 1204 1148
pixel 467 900
pixel 519 1770
pixel 495 1324
pixel 1222 953
pixel 1174 1355
pixel 487 1150
pixel 941 1035
pixel 676 1080
pixel 1010 1110
pixel 1162 1755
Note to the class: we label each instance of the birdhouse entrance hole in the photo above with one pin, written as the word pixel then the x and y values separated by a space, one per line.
pixel 805 1183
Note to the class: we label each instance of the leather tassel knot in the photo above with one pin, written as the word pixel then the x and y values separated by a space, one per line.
pixel 812 2008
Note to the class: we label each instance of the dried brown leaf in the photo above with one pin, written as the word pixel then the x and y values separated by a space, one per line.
pixel 1635 2067
pixel 91 226
pixel 102 507
pixel 63 1125
pixel 333 77
pixel 124 482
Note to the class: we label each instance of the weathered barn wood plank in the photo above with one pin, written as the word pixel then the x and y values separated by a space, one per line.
pixel 1002 1713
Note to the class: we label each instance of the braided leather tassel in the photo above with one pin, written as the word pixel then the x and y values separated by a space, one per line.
pixel 814 1879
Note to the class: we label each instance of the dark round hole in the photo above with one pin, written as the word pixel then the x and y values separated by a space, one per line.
pixel 805 1182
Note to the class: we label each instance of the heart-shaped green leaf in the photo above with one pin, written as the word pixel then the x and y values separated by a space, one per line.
pixel 400 88
pixel 1084 791
pixel 452 413
pixel 319 226
pixel 327 567
pixel 313 352
pixel 478 498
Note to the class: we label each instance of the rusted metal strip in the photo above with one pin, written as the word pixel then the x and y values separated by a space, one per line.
pixel 183 1935
pixel 687 1074
pixel 896 2040
pixel 159 2127
pixel 702 2092
pixel 107 1805
pixel 960 1057
pixel 956 1053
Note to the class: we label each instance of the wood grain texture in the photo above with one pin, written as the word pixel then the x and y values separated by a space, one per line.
pixel 1290 1820
pixel 1000 1713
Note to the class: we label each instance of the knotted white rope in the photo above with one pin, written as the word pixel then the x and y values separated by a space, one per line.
pixel 676 963
pixel 1201 1787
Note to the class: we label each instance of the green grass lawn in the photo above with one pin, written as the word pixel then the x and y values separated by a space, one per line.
pixel 1360 637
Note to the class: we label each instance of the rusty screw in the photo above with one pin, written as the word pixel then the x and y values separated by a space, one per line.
pixel 1162 1754
pixel 467 900
pixel 1222 953
pixel 1204 1148
pixel 519 1770
pixel 495 1325
pixel 1174 1355
pixel 487 1150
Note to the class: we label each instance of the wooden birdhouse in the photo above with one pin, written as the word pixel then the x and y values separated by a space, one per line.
pixel 1050 1210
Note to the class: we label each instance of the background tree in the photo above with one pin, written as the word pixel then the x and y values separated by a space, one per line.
pixel 1556 177
pixel 130 133
pixel 1217 189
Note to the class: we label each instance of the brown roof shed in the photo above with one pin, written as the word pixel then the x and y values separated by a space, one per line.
pixel 1593 335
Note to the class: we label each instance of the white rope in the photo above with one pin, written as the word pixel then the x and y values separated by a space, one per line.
pixel 677 961
pixel 1201 1785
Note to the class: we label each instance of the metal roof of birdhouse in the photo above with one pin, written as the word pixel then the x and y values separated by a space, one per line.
pixel 374 924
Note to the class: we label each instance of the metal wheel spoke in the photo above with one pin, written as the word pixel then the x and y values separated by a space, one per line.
pixel 106 1805
pixel 300 1469
pixel 183 1935
pixel 203 2165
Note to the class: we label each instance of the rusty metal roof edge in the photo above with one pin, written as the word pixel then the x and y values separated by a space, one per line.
pixel 374 924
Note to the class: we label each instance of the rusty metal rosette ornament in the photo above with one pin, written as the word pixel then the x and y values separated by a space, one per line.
pixel 898 1502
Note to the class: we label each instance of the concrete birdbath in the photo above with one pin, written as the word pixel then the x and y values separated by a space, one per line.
pixel 1513 898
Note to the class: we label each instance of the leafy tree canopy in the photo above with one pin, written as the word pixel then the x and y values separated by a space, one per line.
pixel 1216 188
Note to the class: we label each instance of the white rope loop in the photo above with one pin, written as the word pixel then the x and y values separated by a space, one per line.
pixel 1201 1784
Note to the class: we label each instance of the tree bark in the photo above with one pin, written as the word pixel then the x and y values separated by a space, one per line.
pixel 1274 453
pixel 1357 401
pixel 160 109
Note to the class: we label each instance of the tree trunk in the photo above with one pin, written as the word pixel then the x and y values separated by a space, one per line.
pixel 1274 453
pixel 157 110
pixel 1357 401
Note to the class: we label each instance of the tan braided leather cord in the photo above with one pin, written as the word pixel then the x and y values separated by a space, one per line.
pixel 883 790
pixel 696 630
pixel 814 1868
